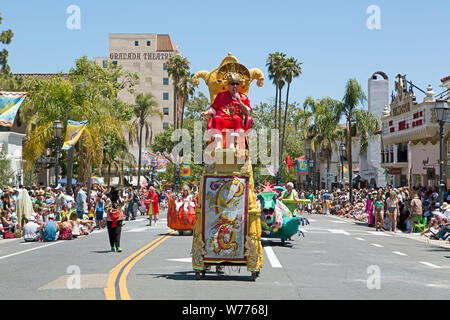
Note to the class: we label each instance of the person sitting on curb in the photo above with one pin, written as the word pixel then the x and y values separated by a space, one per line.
pixel 31 230
pixel 50 231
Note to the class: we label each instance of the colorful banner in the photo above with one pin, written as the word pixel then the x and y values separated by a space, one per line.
pixel 224 216
pixel 345 170
pixel 302 167
pixel 185 172
pixel 161 165
pixel 9 105
pixel 73 133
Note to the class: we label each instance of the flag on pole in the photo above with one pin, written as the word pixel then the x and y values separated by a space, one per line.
pixel 270 169
pixel 9 105
pixel 345 170
pixel 73 133
pixel 289 162
pixel 161 165
pixel 185 171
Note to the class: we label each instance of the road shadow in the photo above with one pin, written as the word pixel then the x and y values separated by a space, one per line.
pixel 277 244
pixel 190 275
pixel 103 251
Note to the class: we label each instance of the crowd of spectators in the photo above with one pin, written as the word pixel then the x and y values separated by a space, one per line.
pixel 387 209
pixel 39 213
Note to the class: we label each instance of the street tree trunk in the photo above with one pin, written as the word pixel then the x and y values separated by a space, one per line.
pixel 284 129
pixel 69 171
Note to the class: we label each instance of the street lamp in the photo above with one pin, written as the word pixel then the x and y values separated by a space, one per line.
pixel 57 133
pixel 342 152
pixel 441 110
pixel 311 164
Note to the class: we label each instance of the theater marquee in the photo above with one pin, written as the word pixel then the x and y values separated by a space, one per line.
pixel 139 56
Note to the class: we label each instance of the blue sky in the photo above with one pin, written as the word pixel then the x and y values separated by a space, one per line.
pixel 331 38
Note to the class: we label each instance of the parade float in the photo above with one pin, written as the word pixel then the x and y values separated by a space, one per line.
pixel 279 217
pixel 181 213
pixel 227 231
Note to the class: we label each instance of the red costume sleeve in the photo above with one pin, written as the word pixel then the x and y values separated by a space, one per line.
pixel 216 103
pixel 245 100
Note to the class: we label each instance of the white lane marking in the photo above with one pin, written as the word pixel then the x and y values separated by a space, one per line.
pixel 430 265
pixel 181 260
pixel 138 229
pixel 379 233
pixel 24 251
pixel 311 220
pixel 339 231
pixel 338 221
pixel 360 239
pixel 274 262
pixel 377 245
pixel 399 253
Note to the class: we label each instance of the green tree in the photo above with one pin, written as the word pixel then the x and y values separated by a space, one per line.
pixel 5 38
pixel 89 93
pixel 359 121
pixel 145 108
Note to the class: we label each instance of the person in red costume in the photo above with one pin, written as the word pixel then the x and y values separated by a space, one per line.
pixel 153 209
pixel 228 109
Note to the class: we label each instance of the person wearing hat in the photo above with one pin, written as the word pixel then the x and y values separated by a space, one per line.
pixel 416 212
pixel 31 230
pixel 49 232
pixel 228 109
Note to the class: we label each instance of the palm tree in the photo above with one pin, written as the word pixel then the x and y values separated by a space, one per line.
pixel 145 108
pixel 185 89
pixel 274 65
pixel 327 131
pixel 177 68
pixel 358 121
pixel 290 69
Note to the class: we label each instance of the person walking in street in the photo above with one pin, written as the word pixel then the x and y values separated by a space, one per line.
pixel 114 220
pixel 393 211
pixel 81 201
pixel 416 212
pixel 153 209
pixel 326 202
pixel 99 211
pixel 379 213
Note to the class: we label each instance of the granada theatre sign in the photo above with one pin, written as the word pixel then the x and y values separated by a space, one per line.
pixel 139 56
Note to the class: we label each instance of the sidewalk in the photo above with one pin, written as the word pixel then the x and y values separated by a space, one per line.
pixel 414 236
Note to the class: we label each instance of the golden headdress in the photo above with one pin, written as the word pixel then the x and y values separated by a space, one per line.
pixel 217 79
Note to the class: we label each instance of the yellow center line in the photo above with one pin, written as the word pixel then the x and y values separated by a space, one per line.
pixel 123 277
pixel 110 291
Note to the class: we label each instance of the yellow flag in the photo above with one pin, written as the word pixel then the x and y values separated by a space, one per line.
pixel 73 133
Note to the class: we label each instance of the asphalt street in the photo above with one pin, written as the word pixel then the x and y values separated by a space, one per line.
pixel 337 259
